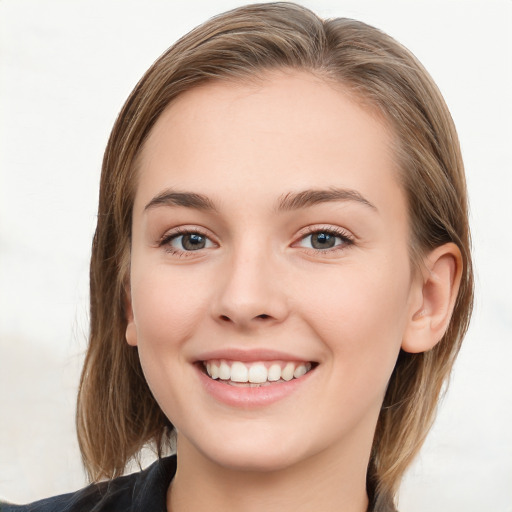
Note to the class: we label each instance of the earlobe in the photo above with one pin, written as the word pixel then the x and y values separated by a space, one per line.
pixel 437 292
pixel 131 330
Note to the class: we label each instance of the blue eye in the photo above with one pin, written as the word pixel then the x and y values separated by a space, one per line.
pixel 189 242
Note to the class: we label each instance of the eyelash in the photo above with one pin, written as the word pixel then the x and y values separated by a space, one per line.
pixel 168 238
pixel 346 240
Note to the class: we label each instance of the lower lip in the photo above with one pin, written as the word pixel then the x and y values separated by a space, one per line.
pixel 249 397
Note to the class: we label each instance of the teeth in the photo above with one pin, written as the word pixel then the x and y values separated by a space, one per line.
pixel 255 373
pixel 239 372
pixel 299 371
pixel 258 373
pixel 224 371
pixel 274 372
pixel 215 371
pixel 287 372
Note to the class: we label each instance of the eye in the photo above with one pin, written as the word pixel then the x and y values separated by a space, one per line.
pixel 186 242
pixel 325 239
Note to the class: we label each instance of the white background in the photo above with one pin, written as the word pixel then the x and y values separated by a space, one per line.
pixel 67 66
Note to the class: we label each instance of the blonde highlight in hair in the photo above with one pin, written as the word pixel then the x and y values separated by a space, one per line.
pixel 116 413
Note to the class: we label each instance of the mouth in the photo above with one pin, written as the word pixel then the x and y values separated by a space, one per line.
pixel 256 373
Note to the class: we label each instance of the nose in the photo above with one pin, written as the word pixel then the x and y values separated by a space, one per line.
pixel 251 291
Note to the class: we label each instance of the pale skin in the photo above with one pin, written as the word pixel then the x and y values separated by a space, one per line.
pixel 268 217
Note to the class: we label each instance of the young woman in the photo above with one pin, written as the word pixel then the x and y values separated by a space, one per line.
pixel 281 274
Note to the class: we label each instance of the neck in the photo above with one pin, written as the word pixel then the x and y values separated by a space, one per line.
pixel 328 481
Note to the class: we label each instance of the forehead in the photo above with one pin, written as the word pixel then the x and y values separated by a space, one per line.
pixel 285 130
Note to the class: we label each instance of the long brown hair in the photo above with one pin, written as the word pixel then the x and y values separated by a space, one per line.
pixel 117 414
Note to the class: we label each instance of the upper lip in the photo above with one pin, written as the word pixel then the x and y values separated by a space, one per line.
pixel 250 355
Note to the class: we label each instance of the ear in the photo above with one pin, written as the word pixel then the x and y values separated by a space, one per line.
pixel 435 294
pixel 131 329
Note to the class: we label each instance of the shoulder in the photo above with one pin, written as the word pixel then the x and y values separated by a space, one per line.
pixel 145 490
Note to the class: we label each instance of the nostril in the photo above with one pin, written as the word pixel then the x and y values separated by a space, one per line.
pixel 229 319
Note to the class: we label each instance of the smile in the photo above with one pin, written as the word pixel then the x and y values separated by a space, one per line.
pixel 254 374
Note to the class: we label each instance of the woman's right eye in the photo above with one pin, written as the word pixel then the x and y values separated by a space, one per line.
pixel 186 242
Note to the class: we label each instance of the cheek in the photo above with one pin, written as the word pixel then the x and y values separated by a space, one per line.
pixel 361 315
pixel 166 307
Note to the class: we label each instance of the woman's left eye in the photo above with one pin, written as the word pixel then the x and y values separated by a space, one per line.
pixel 323 240
pixel 188 242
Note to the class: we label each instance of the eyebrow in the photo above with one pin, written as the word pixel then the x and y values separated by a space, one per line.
pixel 186 199
pixel 306 198
pixel 288 202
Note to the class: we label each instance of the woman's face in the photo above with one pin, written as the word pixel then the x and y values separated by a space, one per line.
pixel 270 239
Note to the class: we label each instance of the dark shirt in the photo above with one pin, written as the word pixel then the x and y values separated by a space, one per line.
pixel 140 492
pixel 145 491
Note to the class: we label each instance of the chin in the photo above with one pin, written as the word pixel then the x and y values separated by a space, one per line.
pixel 255 460
pixel 252 452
